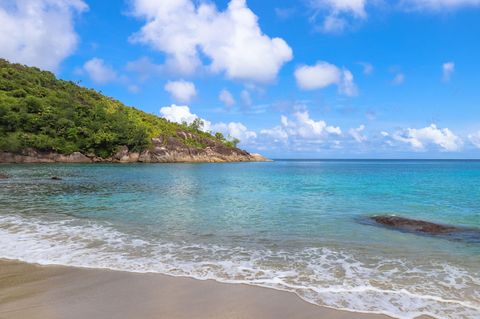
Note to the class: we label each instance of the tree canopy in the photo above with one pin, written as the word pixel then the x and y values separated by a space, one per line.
pixel 41 112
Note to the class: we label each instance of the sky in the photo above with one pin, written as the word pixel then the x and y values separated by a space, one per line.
pixel 290 79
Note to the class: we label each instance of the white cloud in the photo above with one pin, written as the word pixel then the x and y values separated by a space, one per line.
pixel 236 130
pixel 357 135
pixel 231 40
pixel 336 14
pixel 420 138
pixel 437 5
pixel 181 114
pixel 226 97
pixel 324 74
pixel 38 33
pixel 181 90
pixel 100 72
pixel 301 127
pixel 398 79
pixel 448 68
pixel 475 139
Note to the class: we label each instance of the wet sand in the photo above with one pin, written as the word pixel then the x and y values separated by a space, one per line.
pixel 50 292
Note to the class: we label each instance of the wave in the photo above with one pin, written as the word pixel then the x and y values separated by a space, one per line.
pixel 321 275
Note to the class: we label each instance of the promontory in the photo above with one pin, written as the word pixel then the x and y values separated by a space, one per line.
pixel 47 120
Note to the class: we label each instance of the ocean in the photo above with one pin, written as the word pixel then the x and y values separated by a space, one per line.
pixel 294 225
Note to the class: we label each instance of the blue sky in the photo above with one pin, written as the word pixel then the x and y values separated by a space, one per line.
pixel 290 79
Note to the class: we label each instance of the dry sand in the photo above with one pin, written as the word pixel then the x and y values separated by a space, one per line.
pixel 50 292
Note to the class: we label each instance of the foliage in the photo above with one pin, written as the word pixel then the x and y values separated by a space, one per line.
pixel 233 142
pixel 38 111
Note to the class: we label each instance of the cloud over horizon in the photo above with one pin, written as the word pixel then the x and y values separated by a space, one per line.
pixel 419 139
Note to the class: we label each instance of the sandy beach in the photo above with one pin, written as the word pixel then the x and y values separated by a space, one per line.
pixel 50 292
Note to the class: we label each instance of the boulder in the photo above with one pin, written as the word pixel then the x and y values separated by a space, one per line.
pixel 408 224
pixel 421 227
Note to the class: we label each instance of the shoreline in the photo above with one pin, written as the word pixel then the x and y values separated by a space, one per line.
pixel 159 154
pixel 54 291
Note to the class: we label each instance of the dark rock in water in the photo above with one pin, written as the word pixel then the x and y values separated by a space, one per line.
pixel 56 178
pixel 421 227
pixel 414 225
pixel 4 176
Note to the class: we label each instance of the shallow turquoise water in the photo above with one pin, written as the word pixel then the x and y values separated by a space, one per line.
pixel 291 225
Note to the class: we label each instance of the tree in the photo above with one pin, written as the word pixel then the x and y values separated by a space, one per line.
pixel 235 142
pixel 219 136
pixel 197 124
pixel 39 111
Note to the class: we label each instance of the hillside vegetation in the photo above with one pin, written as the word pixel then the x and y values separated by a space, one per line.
pixel 39 111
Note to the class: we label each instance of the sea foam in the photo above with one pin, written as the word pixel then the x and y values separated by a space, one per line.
pixel 320 275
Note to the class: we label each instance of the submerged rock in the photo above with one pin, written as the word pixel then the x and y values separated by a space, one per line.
pixel 4 176
pixel 414 225
pixel 56 178
pixel 421 227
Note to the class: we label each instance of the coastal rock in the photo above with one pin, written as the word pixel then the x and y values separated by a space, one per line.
pixel 421 227
pixel 403 223
pixel 164 150
pixel 34 156
pixel 4 176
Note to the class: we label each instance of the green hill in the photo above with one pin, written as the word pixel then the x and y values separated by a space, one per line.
pixel 39 111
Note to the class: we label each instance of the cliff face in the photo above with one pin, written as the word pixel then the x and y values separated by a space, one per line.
pixel 163 150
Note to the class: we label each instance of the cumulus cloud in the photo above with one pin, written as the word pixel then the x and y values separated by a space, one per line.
pixel 448 68
pixel 236 130
pixel 38 33
pixel 226 97
pixel 231 40
pixel 182 91
pixel 178 114
pixel 99 71
pixel 301 128
pixel 182 114
pixel 475 139
pixel 336 15
pixel 324 74
pixel 357 135
pixel 419 139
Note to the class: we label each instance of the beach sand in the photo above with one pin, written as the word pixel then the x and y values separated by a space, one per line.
pixel 44 292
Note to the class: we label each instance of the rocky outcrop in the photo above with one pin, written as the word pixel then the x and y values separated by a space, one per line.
pixel 421 227
pixel 408 224
pixel 163 150
pixel 33 156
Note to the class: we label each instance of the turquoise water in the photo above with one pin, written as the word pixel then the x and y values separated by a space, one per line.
pixel 289 225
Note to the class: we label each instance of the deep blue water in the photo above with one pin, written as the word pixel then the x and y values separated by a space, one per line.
pixel 292 225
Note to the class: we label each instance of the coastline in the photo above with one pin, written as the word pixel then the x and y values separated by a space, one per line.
pixel 49 292
pixel 35 157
